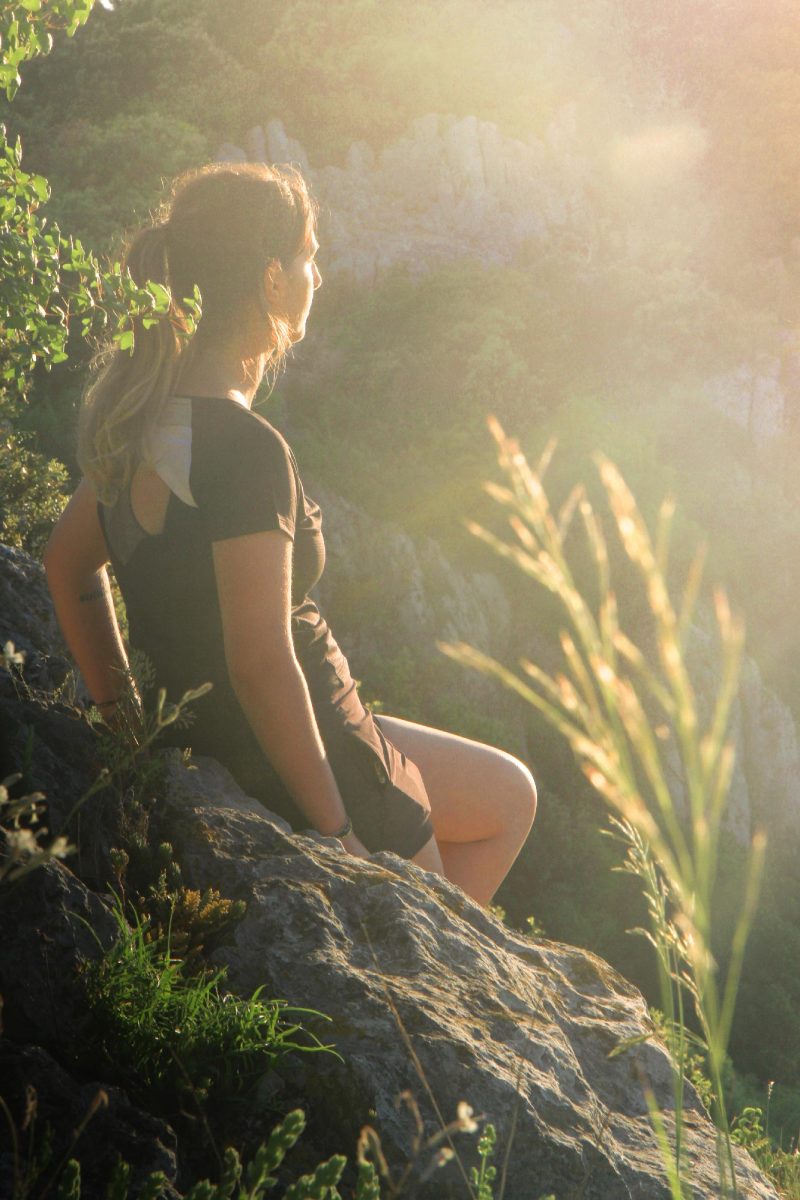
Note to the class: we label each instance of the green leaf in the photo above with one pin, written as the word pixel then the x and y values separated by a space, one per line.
pixel 160 294
pixel 41 187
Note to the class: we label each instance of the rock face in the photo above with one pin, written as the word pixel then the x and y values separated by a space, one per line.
pixel 449 188
pixel 765 788
pixel 459 187
pixel 425 992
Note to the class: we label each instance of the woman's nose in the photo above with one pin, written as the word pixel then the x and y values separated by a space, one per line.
pixel 317 277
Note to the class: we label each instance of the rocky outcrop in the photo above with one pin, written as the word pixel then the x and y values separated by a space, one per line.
pixel 428 992
pixel 425 991
pixel 765 785
pixel 449 188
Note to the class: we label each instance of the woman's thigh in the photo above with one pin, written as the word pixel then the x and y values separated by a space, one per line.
pixel 475 791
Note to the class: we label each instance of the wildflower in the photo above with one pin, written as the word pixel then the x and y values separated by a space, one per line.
pixel 465 1119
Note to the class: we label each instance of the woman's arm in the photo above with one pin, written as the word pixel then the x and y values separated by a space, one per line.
pixel 75 563
pixel 253 575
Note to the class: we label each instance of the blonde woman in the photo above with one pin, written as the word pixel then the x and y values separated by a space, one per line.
pixel 197 502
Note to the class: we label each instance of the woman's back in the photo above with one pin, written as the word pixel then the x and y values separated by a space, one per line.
pixel 216 470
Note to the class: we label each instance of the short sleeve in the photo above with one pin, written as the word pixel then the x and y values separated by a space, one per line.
pixel 245 480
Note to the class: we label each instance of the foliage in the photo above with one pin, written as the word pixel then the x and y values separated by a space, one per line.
pixel 20 840
pixel 164 1032
pixel 50 284
pixel 194 923
pixel 482 1178
pixel 782 1167
pixel 689 1054
pixel 623 707
pixel 236 1182
pixel 749 1127
pixel 21 845
pixel 765 1035
pixel 26 30
pixel 119 166
pixel 32 489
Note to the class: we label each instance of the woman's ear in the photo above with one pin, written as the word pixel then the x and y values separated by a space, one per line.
pixel 272 280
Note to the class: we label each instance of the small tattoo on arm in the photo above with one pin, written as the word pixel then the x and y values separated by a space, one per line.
pixel 97 594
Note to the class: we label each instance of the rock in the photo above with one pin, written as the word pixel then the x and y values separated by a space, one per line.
pixel 754 396
pixel 51 924
pixel 256 144
pixel 770 755
pixel 57 749
pixel 765 788
pixel 449 188
pixel 61 1103
pixel 519 1029
pixel 27 619
pixel 228 152
pixel 283 149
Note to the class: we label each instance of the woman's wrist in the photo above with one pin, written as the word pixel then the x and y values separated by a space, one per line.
pixel 342 832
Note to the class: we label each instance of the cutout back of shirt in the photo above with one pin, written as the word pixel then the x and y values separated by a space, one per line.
pixel 143 508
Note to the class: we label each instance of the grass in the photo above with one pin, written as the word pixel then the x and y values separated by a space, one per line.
pixel 624 705
pixel 163 1031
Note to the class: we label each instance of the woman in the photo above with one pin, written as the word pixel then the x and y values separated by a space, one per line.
pixel 197 502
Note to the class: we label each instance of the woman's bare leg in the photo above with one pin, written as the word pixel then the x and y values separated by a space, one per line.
pixel 483 802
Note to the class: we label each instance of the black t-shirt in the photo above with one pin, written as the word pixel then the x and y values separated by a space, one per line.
pixel 230 473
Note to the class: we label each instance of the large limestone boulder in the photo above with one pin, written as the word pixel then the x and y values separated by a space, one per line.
pixel 429 993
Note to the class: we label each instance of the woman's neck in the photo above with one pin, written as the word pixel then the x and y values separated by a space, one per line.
pixel 214 372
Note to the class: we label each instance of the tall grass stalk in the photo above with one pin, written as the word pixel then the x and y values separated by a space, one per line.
pixel 624 705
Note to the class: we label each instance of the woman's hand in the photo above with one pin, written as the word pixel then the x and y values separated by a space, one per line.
pixel 353 846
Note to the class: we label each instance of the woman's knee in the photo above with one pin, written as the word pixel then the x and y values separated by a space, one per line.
pixel 518 797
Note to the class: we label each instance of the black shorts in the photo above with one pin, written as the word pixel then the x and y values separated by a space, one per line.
pixel 382 790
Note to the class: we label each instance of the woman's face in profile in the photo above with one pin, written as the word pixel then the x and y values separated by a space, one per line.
pixel 295 287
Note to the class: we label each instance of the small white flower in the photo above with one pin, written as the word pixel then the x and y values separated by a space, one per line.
pixel 465 1121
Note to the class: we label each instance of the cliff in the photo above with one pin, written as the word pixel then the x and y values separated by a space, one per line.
pixel 451 187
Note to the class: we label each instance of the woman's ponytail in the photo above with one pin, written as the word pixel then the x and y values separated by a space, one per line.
pixel 126 397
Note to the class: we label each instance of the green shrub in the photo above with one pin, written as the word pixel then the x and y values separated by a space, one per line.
pixel 33 491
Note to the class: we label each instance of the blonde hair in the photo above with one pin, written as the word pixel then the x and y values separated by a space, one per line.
pixel 220 228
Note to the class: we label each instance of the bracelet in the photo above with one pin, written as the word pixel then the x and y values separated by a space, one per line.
pixel 343 832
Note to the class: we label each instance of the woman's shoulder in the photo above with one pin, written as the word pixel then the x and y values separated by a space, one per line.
pixel 233 422
pixel 222 426
pixel 243 474
pixel 230 443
